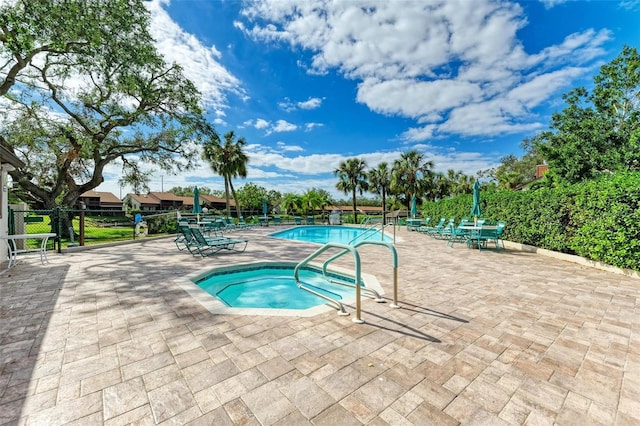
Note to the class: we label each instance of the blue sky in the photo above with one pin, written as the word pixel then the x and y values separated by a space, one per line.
pixel 309 83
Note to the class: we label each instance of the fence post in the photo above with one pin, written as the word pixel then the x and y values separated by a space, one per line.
pixel 83 206
pixel 56 223
pixel 12 226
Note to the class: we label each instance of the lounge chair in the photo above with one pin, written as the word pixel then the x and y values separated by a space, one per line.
pixel 243 224
pixel 225 225
pixel 276 220
pixel 297 220
pixel 183 238
pixel 458 234
pixel 432 230
pixel 310 220
pixel 208 246
pixel 443 234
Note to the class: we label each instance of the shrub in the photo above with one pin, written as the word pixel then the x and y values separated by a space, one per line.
pixel 598 219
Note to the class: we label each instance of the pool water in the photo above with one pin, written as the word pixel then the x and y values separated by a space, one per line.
pixel 325 234
pixel 272 287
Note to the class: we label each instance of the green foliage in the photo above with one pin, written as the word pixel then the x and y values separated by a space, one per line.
pixel 597 132
pixel 607 219
pixel 597 219
pixel 251 196
pixel 352 177
pixel 125 104
pixel 229 161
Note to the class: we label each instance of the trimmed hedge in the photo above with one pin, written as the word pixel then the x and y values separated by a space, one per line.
pixel 599 219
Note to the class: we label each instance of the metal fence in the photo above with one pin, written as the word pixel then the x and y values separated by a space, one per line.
pixel 89 227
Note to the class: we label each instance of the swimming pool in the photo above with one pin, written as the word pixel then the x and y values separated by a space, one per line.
pixel 323 234
pixel 268 288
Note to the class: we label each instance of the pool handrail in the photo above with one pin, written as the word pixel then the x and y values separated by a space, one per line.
pixel 371 229
pixel 394 260
pixel 344 249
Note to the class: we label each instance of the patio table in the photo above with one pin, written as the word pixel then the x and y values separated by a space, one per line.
pixel 413 224
pixel 13 248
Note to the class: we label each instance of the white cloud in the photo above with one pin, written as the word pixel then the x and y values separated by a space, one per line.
pixel 310 126
pixel 548 4
pixel 283 126
pixel 275 169
pixel 431 61
pixel 200 63
pixel 290 148
pixel 630 4
pixel 261 124
pixel 278 127
pixel 311 103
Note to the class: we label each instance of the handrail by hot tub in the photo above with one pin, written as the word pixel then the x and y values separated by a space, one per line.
pixel 394 261
pixel 344 249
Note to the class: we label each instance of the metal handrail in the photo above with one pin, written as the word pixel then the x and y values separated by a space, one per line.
pixel 356 257
pixel 394 261
pixel 368 230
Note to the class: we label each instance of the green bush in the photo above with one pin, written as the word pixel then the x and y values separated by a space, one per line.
pixel 598 219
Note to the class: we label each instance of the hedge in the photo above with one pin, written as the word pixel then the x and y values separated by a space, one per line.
pixel 599 219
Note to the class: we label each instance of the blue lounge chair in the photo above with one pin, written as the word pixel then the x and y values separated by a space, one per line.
pixel 243 224
pixel 432 230
pixel 208 246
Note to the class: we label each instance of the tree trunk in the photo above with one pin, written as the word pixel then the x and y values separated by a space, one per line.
pixel 355 211
pixel 235 198
pixel 384 207
pixel 226 194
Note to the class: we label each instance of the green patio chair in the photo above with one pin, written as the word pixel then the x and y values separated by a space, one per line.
pixel 297 220
pixel 432 230
pixel 443 233
pixel 243 224
pixel 208 246
pixel 458 234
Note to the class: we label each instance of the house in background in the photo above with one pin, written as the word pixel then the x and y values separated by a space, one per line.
pixel 158 201
pixel 541 170
pixel 215 203
pixel 94 200
pixel 141 202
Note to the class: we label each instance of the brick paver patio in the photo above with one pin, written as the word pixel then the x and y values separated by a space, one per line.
pixel 107 336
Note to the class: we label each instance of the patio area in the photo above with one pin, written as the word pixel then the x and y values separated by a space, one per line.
pixel 108 336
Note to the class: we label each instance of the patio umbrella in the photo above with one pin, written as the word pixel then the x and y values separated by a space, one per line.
pixel 264 207
pixel 414 208
pixel 197 209
pixel 475 210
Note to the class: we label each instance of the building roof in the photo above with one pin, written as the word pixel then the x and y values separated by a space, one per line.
pixel 214 199
pixel 168 196
pixel 105 197
pixel 144 198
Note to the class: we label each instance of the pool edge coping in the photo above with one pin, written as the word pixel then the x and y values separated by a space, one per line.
pixel 216 307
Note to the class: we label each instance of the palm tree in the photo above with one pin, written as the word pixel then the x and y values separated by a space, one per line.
pixel 353 178
pixel 411 175
pixel 310 200
pixel 290 202
pixel 229 161
pixel 441 187
pixel 379 183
